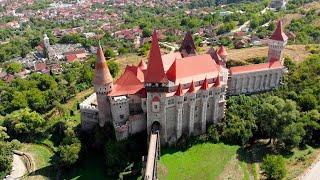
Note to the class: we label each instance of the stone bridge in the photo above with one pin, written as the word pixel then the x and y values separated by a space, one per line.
pixel 153 154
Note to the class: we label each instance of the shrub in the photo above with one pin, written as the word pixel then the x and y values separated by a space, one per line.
pixel 274 167
pixel 68 154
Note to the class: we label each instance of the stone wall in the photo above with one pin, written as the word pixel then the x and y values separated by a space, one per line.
pixel 89 113
pixel 254 82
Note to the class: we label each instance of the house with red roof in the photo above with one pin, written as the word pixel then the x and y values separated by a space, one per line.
pixel 180 93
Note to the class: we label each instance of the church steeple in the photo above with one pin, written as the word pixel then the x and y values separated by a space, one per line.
pixel 277 42
pixel 155 70
pixel 187 47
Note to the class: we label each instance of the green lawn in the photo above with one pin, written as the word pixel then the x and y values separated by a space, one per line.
pixel 201 161
pixel 42 159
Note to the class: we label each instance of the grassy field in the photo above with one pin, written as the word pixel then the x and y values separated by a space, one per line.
pixel 201 161
pixel 296 52
pixel 41 156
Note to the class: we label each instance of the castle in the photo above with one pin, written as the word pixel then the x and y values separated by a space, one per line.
pixel 180 93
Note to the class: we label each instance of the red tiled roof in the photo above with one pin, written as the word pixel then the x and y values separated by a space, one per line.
pixel 179 91
pixel 222 51
pixel 128 83
pixel 137 72
pixel 191 68
pixel 168 59
pixel 278 34
pixel 102 74
pixel 142 65
pixel 71 57
pixel 40 66
pixel 155 71
pixel 255 67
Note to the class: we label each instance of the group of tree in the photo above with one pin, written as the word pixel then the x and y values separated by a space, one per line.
pixel 6 151
pixel 289 116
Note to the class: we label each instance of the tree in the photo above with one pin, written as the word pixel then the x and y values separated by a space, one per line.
pixel 25 124
pixel 5 157
pixel 68 154
pixel 274 167
pixel 3 133
pixel 13 67
pixel 275 115
pixel 109 53
pixel 146 32
pixel 114 68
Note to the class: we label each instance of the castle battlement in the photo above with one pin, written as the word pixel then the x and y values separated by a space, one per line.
pixel 87 103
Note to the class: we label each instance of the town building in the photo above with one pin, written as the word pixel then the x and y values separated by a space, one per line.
pixel 278 4
pixel 180 93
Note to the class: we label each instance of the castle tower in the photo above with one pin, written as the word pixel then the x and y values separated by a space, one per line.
pixel 222 52
pixel 277 42
pixel 179 106
pixel 187 47
pixel 205 96
pixel 103 84
pixel 192 102
pixel 46 43
pixel 156 84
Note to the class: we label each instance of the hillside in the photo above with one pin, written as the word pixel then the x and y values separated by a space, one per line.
pixel 295 52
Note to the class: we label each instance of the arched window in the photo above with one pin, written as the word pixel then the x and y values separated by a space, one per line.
pixel 155 104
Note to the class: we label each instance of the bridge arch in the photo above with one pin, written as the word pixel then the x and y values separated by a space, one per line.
pixel 155 127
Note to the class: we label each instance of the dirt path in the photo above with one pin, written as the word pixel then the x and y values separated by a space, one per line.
pixel 313 173
pixel 19 168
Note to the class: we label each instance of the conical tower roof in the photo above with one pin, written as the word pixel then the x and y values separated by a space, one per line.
pixel 222 51
pixel 188 44
pixel 155 70
pixel 192 87
pixel 217 83
pixel 278 34
pixel 102 74
pixel 179 91
pixel 205 84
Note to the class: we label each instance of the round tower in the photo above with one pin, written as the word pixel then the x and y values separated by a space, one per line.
pixel 103 84
pixel 277 42
pixel 46 43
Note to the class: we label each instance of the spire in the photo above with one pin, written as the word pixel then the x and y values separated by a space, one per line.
pixel 155 71
pixel 278 34
pixel 192 87
pixel 179 91
pixel 142 65
pixel 217 82
pixel 187 46
pixel 172 71
pixel 102 74
pixel 205 84
pixel 222 52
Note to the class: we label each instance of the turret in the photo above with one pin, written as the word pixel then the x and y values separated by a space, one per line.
pixel 187 47
pixel 46 43
pixel 277 42
pixel 103 84
pixel 222 52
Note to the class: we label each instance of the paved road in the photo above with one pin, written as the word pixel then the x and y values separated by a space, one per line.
pixel 18 168
pixel 313 173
